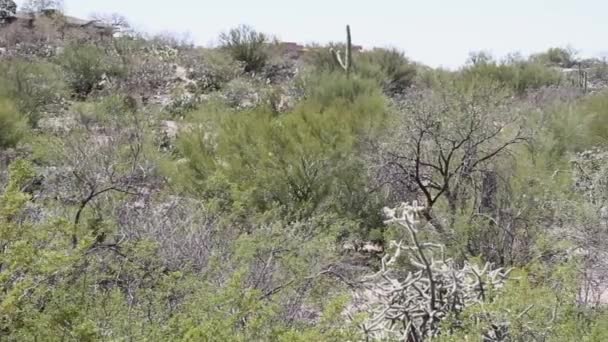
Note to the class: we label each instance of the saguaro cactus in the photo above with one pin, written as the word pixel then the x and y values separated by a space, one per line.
pixel 345 63
pixel 582 78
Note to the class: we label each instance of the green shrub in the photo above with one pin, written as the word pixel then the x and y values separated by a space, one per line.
pixel 320 58
pixel 516 73
pixel 33 86
pixel 388 67
pixel 561 57
pixel 12 124
pixel 104 110
pixel 579 126
pixel 397 72
pixel 211 69
pixel 86 66
pixel 246 45
pixel 302 161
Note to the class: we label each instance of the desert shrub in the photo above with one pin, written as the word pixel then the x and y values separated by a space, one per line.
pixel 242 93
pixel 42 5
pixel 145 67
pixel 301 161
pixel 181 104
pixel 579 126
pixel 37 41
pixel 516 73
pixel 534 306
pixel 103 111
pixel 325 89
pixel 320 58
pixel 33 86
pixel 12 124
pixel 561 57
pixel 246 45
pixel 389 67
pixel 173 40
pixel 147 75
pixel 211 69
pixel 86 65
pixel 598 72
pixel 397 72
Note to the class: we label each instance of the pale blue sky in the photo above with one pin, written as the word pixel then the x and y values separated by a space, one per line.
pixel 430 31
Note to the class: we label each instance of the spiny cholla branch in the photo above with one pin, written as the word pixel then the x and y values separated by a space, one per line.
pixel 410 306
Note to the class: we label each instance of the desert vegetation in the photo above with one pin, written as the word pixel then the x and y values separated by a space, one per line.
pixel 153 190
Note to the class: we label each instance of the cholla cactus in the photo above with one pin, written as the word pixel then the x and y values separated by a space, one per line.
pixel 8 8
pixel 345 63
pixel 410 306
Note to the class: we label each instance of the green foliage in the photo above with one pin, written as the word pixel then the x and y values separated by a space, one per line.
pixel 53 292
pixel 575 127
pixel 274 194
pixel 538 304
pixel 561 57
pixel 12 124
pixel 320 58
pixel 104 110
pixel 32 86
pixel 212 69
pixel 86 65
pixel 246 45
pixel 32 257
pixel 388 67
pixel 396 72
pixel 516 73
pixel 304 161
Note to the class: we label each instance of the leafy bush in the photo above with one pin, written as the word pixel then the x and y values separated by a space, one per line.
pixel 397 72
pixel 33 86
pixel 181 104
pixel 212 69
pixel 12 124
pixel 103 111
pixel 516 73
pixel 320 58
pixel 37 41
pixel 246 45
pixel 86 66
pixel 580 126
pixel 562 57
pixel 389 67
pixel 302 160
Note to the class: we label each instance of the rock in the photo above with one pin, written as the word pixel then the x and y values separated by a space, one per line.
pixel 181 73
pixel 57 125
pixel 169 129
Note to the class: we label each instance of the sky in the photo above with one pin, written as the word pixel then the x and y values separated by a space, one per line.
pixel 434 32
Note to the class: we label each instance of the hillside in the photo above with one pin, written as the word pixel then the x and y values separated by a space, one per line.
pixel 153 190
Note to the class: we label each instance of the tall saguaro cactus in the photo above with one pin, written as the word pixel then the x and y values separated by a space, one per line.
pixel 347 62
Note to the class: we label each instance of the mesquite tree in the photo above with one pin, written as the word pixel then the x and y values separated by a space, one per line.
pixel 444 143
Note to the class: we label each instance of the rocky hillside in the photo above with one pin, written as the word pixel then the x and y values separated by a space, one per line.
pixel 152 190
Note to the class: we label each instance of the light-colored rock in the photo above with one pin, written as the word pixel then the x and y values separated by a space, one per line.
pixel 56 125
